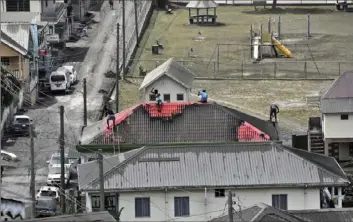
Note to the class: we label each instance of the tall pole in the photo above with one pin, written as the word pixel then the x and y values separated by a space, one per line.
pixel 0 114
pixel 33 174
pixel 136 23
pixel 62 159
pixel 117 68
pixel 101 180
pixel 84 102
pixel 230 206
pixel 124 43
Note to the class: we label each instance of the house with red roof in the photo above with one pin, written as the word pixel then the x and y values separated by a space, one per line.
pixel 176 123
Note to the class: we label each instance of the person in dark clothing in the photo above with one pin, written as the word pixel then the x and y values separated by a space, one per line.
pixel 111 3
pixel 157 96
pixel 111 116
pixel 274 110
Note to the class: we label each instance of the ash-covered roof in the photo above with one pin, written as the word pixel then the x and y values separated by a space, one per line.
pixel 179 122
pixel 325 215
pixel 202 4
pixel 215 165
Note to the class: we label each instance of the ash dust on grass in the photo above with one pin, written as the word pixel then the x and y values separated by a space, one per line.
pixel 256 96
pixel 129 93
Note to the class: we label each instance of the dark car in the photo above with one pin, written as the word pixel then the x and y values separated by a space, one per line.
pixel 46 206
pixel 20 125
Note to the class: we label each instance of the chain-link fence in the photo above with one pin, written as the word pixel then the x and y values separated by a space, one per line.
pixel 262 70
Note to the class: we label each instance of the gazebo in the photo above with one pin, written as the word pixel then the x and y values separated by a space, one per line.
pixel 202 18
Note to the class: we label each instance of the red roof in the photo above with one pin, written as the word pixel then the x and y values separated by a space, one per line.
pixel 246 132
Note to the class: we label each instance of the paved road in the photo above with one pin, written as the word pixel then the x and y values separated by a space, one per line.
pixel 46 118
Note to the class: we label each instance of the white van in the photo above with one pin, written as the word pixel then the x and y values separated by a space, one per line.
pixel 60 80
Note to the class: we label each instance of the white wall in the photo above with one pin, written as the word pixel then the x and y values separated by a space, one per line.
pixel 166 85
pixel 334 127
pixel 162 203
pixel 344 151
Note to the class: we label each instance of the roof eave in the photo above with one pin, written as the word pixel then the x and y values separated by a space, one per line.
pixel 265 186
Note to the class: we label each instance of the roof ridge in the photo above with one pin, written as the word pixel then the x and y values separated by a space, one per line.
pixel 329 91
pixel 302 158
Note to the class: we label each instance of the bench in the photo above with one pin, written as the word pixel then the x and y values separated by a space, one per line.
pixel 259 3
pixel 313 100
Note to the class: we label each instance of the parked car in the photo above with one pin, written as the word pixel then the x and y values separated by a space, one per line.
pixel 8 156
pixel 73 73
pixel 55 175
pixel 60 80
pixel 49 191
pixel 46 207
pixel 55 160
pixel 20 125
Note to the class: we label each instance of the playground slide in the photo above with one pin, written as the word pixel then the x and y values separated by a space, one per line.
pixel 282 48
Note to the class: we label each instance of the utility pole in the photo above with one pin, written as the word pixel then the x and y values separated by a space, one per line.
pixel 0 117
pixel 33 174
pixel 84 102
pixel 136 23
pixel 62 159
pixel 101 180
pixel 117 78
pixel 124 44
pixel 230 206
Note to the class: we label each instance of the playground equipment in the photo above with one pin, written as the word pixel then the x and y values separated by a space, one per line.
pixel 281 48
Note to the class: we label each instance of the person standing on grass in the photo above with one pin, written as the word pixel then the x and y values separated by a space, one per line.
pixel 111 3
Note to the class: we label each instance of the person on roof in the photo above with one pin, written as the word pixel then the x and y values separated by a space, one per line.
pixel 274 110
pixel 111 3
pixel 203 96
pixel 157 96
pixel 111 116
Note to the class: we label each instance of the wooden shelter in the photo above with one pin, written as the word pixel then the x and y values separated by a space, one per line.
pixel 205 6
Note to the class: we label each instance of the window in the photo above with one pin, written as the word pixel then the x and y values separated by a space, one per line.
pixel 142 207
pixel 152 97
pixel 344 117
pixel 280 201
pixel 110 202
pixel 18 6
pixel 219 193
pixel 181 207
pixel 166 97
pixel 5 61
pixel 180 97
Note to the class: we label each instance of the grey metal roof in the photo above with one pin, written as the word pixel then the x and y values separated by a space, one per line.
pixel 336 106
pixel 341 87
pixel 88 172
pixel 92 216
pixel 325 215
pixel 20 17
pixel 216 122
pixel 202 4
pixel 260 213
pixel 19 33
pixel 173 70
pixel 216 165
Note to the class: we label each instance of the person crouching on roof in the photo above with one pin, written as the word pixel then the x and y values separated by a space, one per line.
pixel 203 96
pixel 111 116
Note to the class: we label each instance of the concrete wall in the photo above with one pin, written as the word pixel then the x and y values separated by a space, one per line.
pixel 205 206
pixel 334 127
pixel 166 85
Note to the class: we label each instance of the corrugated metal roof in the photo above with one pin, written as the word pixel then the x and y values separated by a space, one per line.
pixel 89 171
pixel 260 213
pixel 216 165
pixel 202 4
pixel 20 17
pixel 18 33
pixel 325 215
pixel 103 216
pixel 173 70
pixel 179 122
pixel 336 106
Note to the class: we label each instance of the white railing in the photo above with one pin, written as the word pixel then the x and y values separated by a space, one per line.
pixel 269 2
